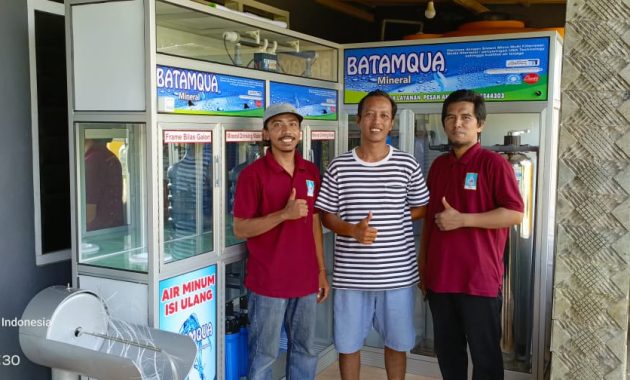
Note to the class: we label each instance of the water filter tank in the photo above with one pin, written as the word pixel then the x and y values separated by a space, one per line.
pixel 71 330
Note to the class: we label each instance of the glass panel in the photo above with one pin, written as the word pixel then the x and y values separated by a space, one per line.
pixel 51 152
pixel 236 321
pixel 324 323
pixel 322 152
pixel 517 313
pixel 187 170
pixel 241 149
pixel 354 134
pixel 111 197
pixel 235 282
pixel 192 34
pixel 322 149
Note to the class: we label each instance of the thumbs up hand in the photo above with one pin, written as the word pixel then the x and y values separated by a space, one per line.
pixel 450 218
pixel 295 208
pixel 363 232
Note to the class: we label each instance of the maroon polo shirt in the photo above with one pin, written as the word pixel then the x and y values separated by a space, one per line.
pixel 104 187
pixel 469 260
pixel 281 262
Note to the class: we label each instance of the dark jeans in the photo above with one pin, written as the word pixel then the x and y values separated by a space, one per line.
pixel 460 319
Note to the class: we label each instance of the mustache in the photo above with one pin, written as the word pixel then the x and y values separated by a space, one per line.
pixel 287 135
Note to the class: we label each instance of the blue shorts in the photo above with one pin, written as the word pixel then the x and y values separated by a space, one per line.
pixel 390 312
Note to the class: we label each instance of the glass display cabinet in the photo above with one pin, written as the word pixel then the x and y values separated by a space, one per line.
pixel 165 114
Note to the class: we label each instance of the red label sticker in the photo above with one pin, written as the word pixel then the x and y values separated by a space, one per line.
pixel 531 78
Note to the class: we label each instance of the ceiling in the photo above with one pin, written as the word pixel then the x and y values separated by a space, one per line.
pixel 367 9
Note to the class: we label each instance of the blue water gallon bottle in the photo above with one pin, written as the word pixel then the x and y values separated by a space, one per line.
pixel 244 335
pixel 232 341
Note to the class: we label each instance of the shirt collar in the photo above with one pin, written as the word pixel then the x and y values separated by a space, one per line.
pixel 468 155
pixel 300 163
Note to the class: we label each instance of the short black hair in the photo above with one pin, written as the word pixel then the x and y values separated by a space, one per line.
pixel 378 93
pixel 466 96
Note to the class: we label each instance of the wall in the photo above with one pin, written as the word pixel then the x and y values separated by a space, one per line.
pixel 20 278
pixel 590 316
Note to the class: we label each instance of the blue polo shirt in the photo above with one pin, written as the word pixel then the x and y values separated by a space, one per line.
pixel 281 262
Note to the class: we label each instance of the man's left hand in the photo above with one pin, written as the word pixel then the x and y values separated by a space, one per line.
pixel 324 288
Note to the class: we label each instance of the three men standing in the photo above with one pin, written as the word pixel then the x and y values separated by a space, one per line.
pixel 369 197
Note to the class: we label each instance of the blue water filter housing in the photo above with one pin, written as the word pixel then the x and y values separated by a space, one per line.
pixel 243 336
pixel 232 343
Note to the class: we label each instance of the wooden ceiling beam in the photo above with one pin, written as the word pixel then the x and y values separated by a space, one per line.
pixel 343 7
pixel 472 5
pixel 393 3
pixel 522 2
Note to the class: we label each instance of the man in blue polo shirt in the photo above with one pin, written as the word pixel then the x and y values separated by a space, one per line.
pixel 474 199
pixel 286 277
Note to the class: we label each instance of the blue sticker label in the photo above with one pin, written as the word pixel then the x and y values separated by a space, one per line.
pixel 471 181
pixel 310 188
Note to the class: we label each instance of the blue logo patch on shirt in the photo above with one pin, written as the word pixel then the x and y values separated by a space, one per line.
pixel 471 181
pixel 310 188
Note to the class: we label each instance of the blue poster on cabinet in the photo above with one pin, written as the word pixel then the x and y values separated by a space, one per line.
pixel 188 306
pixel 195 92
pixel 313 103
pixel 501 70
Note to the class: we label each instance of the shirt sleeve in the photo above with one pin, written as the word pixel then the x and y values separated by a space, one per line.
pixel 93 181
pixel 506 190
pixel 248 195
pixel 417 192
pixel 328 197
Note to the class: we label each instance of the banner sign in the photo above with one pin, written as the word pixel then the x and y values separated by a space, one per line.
pixel 322 135
pixel 188 305
pixel 243 136
pixel 194 92
pixel 313 103
pixel 187 137
pixel 500 70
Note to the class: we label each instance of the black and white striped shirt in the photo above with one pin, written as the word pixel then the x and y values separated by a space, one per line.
pixel 351 188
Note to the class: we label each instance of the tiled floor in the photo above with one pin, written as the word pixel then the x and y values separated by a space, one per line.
pixel 367 373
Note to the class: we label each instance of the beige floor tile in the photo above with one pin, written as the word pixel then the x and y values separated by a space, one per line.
pixel 367 373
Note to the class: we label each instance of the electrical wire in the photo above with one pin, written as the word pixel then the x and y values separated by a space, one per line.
pixel 227 51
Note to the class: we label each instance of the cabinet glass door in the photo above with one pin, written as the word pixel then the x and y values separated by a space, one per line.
pixel 322 151
pixel 111 196
pixel 242 147
pixel 187 173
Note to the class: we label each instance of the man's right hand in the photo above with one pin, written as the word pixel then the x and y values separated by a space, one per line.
pixel 423 288
pixel 295 208
pixel 362 231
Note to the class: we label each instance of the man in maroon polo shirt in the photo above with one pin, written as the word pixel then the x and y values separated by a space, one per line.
pixel 286 277
pixel 103 186
pixel 474 198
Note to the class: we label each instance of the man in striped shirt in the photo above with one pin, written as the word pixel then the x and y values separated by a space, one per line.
pixel 369 197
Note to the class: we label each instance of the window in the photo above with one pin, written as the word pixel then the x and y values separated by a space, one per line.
pixel 49 124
